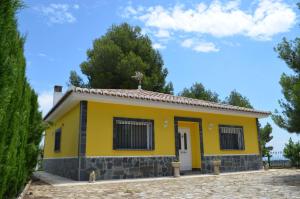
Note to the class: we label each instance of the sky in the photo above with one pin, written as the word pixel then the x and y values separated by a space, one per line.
pixel 224 45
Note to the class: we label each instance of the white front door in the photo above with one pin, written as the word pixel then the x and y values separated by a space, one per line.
pixel 185 155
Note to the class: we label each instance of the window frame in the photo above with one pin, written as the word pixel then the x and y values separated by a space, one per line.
pixel 57 148
pixel 115 134
pixel 242 134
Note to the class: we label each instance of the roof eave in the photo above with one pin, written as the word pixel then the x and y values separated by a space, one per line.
pixel 71 97
pixel 60 101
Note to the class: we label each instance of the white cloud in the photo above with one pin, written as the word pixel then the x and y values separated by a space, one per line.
pixel 42 55
pixel 199 46
pixel 45 100
pixel 205 47
pixel 59 13
pixel 158 46
pixel 187 43
pixel 268 18
pixel 131 11
pixel 163 34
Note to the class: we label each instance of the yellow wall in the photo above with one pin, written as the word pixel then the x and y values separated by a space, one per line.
pixel 69 123
pixel 195 142
pixel 211 136
pixel 100 130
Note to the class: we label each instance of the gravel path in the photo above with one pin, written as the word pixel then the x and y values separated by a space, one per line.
pixel 283 183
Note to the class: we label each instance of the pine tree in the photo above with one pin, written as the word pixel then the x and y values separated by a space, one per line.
pixel 291 151
pixel 289 119
pixel 198 91
pixel 265 137
pixel 117 55
pixel 236 99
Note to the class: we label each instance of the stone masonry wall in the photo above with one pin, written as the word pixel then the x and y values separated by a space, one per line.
pixel 232 163
pixel 65 167
pixel 141 167
pixel 126 167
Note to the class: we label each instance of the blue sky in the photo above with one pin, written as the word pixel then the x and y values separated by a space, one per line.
pixel 225 45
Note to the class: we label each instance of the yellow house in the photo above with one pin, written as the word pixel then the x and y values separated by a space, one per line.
pixel 136 133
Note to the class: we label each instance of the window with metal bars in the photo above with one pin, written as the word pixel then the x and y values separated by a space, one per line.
pixel 135 134
pixel 57 140
pixel 231 137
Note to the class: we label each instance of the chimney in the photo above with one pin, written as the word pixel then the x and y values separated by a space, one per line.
pixel 57 94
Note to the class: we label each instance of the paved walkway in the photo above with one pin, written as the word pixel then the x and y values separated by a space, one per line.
pixel 270 184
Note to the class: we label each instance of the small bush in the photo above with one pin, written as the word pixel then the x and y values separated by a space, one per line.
pixel 292 152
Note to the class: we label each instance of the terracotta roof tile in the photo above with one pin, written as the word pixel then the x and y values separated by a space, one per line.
pixel 155 96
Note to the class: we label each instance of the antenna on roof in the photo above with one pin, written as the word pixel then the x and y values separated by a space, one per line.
pixel 138 76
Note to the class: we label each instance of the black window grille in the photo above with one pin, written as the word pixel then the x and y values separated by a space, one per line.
pixel 57 140
pixel 231 137
pixel 133 134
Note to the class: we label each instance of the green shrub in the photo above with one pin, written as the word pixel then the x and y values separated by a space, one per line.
pixel 292 152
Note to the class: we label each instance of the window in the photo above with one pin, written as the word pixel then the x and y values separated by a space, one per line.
pixel 133 134
pixel 57 140
pixel 231 137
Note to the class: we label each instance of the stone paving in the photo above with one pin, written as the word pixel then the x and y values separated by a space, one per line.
pixel 283 183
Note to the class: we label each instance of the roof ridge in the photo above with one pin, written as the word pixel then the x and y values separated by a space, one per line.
pixel 206 101
pixel 164 97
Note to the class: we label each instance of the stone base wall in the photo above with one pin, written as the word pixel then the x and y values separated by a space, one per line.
pixel 232 163
pixel 141 167
pixel 65 167
pixel 126 167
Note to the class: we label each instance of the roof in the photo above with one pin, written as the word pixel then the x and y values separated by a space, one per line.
pixel 150 96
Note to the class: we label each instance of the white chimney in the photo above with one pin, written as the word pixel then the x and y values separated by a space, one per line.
pixel 57 94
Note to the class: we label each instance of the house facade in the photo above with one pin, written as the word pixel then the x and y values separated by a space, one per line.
pixel 137 133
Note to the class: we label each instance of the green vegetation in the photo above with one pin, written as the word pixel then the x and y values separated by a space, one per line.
pixel 116 56
pixel 265 137
pixel 198 91
pixel 76 80
pixel 236 99
pixel 292 152
pixel 289 119
pixel 20 121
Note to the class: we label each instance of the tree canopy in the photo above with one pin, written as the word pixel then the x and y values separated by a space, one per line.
pixel 289 119
pixel 76 80
pixel 291 151
pixel 236 99
pixel 20 121
pixel 198 91
pixel 265 137
pixel 117 55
